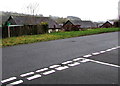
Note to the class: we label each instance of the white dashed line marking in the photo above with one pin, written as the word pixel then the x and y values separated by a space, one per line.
pixel 58 67
pixel 26 74
pixel 87 55
pixel 62 68
pixel 41 70
pixel 67 62
pixel 102 51
pixel 77 59
pixel 74 64
pixel 114 48
pixel 86 60
pixel 108 49
pixel 48 72
pixel 118 47
pixel 34 77
pixel 10 79
pixel 95 53
pixel 15 83
pixel 104 63
pixel 54 66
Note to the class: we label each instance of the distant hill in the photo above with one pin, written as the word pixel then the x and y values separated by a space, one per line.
pixel 73 18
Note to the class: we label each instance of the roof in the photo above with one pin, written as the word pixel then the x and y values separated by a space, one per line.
pixel 107 22
pixel 84 24
pixel 32 20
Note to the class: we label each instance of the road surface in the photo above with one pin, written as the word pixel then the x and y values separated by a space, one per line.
pixel 98 63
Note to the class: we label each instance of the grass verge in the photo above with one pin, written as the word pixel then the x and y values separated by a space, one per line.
pixel 52 36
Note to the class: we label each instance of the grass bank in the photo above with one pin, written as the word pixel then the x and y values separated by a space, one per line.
pixel 52 36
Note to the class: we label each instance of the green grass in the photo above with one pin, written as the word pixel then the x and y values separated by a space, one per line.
pixel 52 36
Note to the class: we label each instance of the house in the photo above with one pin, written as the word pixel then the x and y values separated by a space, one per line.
pixel 106 25
pixel 32 20
pixel 88 24
pixel 69 26
pixel 78 24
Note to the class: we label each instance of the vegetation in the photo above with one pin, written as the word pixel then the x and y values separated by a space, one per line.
pixel 52 36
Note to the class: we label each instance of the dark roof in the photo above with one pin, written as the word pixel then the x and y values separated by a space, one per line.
pixel 31 20
pixel 84 24
pixel 107 22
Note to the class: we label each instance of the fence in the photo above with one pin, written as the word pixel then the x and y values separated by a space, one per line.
pixel 23 30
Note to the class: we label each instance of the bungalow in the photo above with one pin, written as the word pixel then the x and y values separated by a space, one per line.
pixel 106 25
pixel 79 24
pixel 32 20
pixel 69 26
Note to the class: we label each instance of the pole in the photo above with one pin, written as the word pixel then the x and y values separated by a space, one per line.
pixel 8 31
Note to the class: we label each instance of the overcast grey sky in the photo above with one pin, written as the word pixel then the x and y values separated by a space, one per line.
pixel 95 10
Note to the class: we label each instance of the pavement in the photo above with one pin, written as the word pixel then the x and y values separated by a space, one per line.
pixel 100 65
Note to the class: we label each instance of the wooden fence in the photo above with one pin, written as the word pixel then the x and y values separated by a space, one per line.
pixel 23 30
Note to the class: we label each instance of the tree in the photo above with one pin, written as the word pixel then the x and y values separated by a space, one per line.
pixel 32 8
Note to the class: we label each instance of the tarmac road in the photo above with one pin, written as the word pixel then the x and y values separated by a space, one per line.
pixel 26 58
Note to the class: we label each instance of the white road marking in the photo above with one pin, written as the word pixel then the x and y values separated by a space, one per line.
pixel 48 72
pixel 102 51
pixel 108 49
pixel 41 70
pixel 114 48
pixel 87 55
pixel 15 83
pixel 26 74
pixel 104 63
pixel 118 47
pixel 74 64
pixel 96 53
pixel 34 77
pixel 62 68
pixel 86 60
pixel 9 79
pixel 77 59
pixel 67 62
pixel 54 66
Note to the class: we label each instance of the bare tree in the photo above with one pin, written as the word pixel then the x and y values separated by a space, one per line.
pixel 32 8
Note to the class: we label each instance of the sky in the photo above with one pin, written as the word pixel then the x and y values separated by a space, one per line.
pixel 95 10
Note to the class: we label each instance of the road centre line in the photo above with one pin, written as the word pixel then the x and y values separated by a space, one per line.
pixel 87 55
pixel 15 83
pixel 86 60
pixel 48 72
pixel 109 49
pixel 9 79
pixel 41 70
pixel 102 51
pixel 34 77
pixel 74 64
pixel 54 66
pixel 26 74
pixel 96 53
pixel 77 59
pixel 67 62
pixel 62 67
